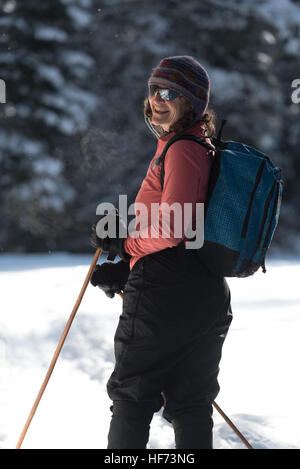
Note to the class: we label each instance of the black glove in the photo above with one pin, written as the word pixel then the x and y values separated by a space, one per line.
pixel 111 278
pixel 109 234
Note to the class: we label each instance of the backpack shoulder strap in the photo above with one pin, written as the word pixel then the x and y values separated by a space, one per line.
pixel 175 138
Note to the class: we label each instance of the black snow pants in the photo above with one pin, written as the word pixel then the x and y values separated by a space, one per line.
pixel 168 346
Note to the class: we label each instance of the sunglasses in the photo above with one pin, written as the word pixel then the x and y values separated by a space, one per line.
pixel 165 93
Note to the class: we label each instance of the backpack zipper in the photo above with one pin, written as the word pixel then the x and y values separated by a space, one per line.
pixel 266 208
pixel 264 248
pixel 257 181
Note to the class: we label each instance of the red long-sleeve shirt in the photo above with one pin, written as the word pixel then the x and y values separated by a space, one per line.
pixel 187 168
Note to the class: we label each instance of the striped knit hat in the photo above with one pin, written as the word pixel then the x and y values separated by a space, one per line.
pixel 186 75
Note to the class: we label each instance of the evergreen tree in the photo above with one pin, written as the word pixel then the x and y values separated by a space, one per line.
pixel 44 72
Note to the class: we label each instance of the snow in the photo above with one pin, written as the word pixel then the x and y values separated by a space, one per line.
pixel 80 17
pixel 285 14
pixel 259 376
pixel 15 141
pixel 50 33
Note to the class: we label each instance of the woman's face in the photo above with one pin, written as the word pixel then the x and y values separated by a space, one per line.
pixel 166 113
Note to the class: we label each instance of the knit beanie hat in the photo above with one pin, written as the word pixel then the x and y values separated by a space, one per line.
pixel 186 75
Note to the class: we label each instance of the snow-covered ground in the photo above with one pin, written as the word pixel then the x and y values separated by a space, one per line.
pixel 259 377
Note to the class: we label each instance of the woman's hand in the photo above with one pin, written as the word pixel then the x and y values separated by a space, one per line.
pixel 109 234
pixel 110 277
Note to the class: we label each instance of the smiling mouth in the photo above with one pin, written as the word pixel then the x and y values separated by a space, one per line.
pixel 160 112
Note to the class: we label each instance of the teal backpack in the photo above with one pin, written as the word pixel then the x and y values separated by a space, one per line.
pixel 242 207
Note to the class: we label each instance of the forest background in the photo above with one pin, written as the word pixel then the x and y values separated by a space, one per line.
pixel 72 132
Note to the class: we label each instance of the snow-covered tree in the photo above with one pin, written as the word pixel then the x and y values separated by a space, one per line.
pixel 47 97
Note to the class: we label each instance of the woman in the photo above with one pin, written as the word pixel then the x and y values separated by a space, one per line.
pixel 175 313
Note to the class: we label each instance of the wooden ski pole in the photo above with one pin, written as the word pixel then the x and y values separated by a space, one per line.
pixel 58 348
pixel 232 426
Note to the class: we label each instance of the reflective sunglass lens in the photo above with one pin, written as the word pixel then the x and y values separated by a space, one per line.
pixel 165 93
pixel 168 95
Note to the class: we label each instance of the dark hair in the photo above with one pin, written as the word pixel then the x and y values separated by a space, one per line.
pixel 208 119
